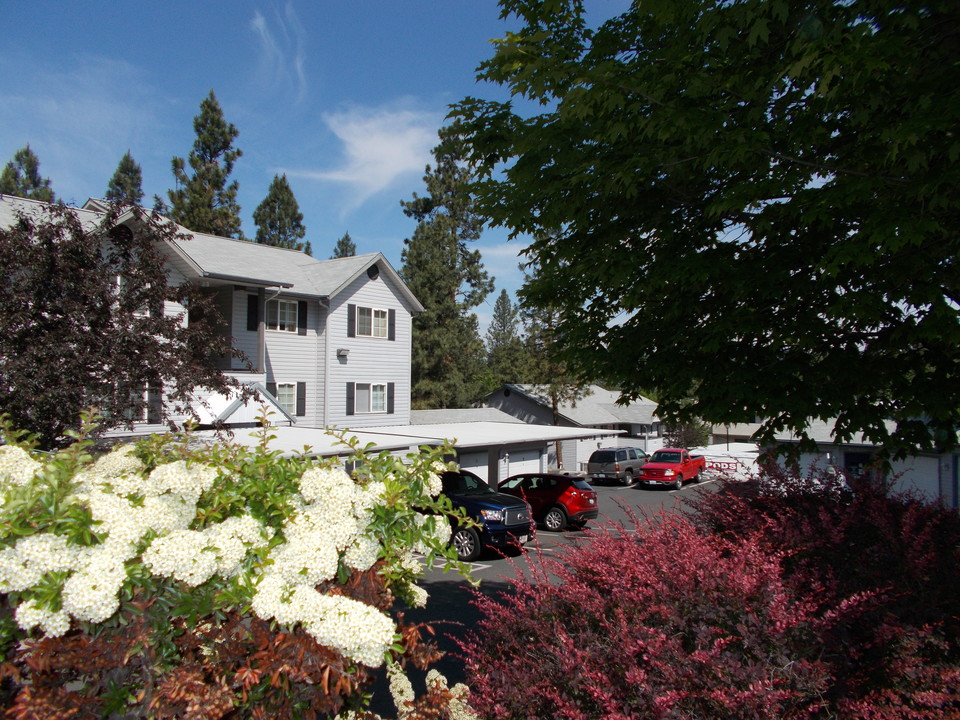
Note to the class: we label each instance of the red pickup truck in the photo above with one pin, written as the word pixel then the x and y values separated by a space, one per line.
pixel 672 466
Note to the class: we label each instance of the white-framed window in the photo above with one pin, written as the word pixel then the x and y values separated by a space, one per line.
pixel 371 322
pixel 287 395
pixel 282 315
pixel 371 398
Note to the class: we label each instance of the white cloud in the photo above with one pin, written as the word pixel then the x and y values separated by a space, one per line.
pixel 282 50
pixel 379 147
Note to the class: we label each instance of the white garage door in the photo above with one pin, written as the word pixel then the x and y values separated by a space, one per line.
pixel 522 461
pixel 475 463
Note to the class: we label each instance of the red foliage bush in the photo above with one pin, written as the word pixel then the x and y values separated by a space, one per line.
pixel 784 598
pixel 664 623
pixel 883 570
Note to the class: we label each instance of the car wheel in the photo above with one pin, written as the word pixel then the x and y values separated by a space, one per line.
pixel 555 520
pixel 678 483
pixel 697 478
pixel 467 544
pixel 627 478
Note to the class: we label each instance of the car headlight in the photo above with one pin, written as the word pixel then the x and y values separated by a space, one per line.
pixel 492 515
pixel 669 472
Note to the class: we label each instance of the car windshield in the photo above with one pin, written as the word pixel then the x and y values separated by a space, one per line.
pixel 602 456
pixel 465 484
pixel 665 457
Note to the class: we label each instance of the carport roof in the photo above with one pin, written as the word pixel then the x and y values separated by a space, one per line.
pixel 468 435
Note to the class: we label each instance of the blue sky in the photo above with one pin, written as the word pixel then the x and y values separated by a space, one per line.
pixel 343 96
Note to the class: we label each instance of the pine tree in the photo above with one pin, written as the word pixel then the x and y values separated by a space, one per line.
pixel 449 280
pixel 550 373
pixel 21 177
pixel 204 202
pixel 345 248
pixel 508 358
pixel 278 218
pixel 125 186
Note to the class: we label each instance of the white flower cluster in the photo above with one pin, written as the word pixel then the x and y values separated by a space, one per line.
pixel 361 632
pixel 188 480
pixel 434 480
pixel 127 506
pixel 17 468
pixel 331 525
pixel 23 565
pixel 459 707
pixel 441 530
pixel 194 556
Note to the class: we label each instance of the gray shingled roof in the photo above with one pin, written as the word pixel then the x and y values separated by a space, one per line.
pixel 599 407
pixel 246 262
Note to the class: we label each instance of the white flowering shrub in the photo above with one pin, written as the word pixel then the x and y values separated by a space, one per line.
pixel 240 577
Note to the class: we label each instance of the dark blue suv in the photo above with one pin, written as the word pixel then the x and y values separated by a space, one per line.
pixel 504 520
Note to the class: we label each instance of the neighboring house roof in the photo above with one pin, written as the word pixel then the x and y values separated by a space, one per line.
pixel 461 415
pixel 820 431
pixel 599 407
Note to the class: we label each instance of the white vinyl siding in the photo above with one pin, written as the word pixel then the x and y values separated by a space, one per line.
pixel 294 357
pixel 370 360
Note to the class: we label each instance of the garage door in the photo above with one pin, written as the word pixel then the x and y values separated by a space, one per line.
pixel 475 463
pixel 522 461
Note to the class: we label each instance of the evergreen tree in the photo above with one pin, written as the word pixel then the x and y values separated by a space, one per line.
pixel 204 202
pixel 21 177
pixel 508 358
pixel 449 280
pixel 278 218
pixel 345 247
pixel 550 373
pixel 126 184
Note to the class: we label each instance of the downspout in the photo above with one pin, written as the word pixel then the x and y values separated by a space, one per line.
pixel 325 364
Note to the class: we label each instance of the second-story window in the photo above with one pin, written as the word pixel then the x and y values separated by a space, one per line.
pixel 371 322
pixel 282 315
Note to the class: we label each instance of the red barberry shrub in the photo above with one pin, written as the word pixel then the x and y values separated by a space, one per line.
pixel 666 622
pixel 882 569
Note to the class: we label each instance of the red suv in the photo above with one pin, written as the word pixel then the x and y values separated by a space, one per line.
pixel 556 500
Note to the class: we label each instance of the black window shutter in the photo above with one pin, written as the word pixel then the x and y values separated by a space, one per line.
pixel 272 311
pixel 253 313
pixel 350 401
pixel 392 325
pixel 351 320
pixel 272 388
pixel 390 389
pixel 302 317
pixel 301 399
